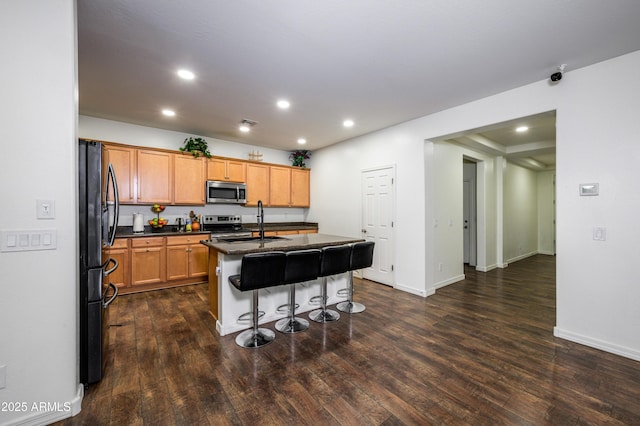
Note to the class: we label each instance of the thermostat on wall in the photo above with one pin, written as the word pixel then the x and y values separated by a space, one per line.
pixel 589 189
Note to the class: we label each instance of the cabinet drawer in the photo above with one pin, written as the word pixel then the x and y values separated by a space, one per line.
pixel 147 242
pixel 120 243
pixel 186 239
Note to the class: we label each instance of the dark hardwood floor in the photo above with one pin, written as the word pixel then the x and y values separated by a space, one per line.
pixel 480 351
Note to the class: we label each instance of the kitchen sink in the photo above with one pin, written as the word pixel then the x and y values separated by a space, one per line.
pixel 250 239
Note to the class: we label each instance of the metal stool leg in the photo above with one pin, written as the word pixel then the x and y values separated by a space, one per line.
pixel 255 337
pixel 350 306
pixel 292 324
pixel 323 314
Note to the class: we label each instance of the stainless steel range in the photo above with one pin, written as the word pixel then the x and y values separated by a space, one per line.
pixel 224 226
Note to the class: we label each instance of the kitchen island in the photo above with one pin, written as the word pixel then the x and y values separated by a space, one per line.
pixel 227 304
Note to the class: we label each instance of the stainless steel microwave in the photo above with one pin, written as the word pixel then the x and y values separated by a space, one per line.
pixel 226 192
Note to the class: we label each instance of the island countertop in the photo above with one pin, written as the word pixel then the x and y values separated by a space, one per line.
pixel 288 243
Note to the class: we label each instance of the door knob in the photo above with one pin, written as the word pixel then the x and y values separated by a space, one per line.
pixel 364 231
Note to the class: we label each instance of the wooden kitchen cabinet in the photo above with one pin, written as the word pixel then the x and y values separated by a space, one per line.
pixel 119 251
pixel 225 169
pixel 189 179
pixel 280 186
pixel 186 257
pixel 123 160
pixel 289 187
pixel 148 260
pixel 155 177
pixel 300 181
pixel 257 184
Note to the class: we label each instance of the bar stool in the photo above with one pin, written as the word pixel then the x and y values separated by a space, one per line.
pixel 334 260
pixel 361 257
pixel 258 270
pixel 302 265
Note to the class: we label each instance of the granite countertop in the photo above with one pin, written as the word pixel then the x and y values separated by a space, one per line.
pixel 280 226
pixel 167 231
pixel 288 243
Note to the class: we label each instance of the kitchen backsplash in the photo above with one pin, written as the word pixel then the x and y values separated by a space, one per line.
pixel 248 214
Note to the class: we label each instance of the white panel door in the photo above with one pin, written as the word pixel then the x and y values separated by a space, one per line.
pixel 377 222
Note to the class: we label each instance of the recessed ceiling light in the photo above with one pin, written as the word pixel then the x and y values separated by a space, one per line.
pixel 168 112
pixel 246 125
pixel 521 129
pixel 186 74
pixel 347 123
pixel 302 141
pixel 283 104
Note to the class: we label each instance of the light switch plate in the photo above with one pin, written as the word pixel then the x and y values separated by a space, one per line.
pixel 28 239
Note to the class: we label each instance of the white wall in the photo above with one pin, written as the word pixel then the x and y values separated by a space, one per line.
pixel 597 131
pixel 131 134
pixel 546 212
pixel 38 302
pixel 597 141
pixel 520 214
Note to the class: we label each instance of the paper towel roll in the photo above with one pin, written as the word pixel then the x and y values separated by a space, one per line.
pixel 138 222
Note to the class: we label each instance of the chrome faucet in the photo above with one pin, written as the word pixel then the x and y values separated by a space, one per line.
pixel 261 219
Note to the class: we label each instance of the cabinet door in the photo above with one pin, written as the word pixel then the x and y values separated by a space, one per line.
pixel 198 260
pixel 177 262
pixel 257 184
pixel 189 179
pixel 124 164
pixel 120 253
pixel 148 265
pixel 155 173
pixel 216 169
pixel 236 171
pixel 300 188
pixel 280 186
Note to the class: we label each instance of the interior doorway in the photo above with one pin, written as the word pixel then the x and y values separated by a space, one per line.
pixel 469 212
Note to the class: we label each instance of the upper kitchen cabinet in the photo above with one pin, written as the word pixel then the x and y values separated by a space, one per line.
pixel 189 179
pixel 289 187
pixel 300 182
pixel 257 184
pixel 155 177
pixel 123 160
pixel 226 169
pixel 280 186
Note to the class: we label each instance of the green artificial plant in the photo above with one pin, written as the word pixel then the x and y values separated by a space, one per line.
pixel 196 146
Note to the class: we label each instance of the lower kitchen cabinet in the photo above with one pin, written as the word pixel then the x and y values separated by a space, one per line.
pixel 152 263
pixel 148 260
pixel 186 257
pixel 119 251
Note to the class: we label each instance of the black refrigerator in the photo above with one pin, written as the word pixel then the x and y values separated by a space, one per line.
pixel 97 221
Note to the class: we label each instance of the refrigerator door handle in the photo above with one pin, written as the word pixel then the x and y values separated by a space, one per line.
pixel 105 304
pixel 116 203
pixel 106 264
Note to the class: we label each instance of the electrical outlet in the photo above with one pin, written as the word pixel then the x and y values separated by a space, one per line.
pixel 440 267
pixel 45 209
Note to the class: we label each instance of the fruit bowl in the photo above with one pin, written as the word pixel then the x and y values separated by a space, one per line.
pixel 157 208
pixel 158 223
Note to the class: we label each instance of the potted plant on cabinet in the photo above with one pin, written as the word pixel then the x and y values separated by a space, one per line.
pixel 298 157
pixel 196 146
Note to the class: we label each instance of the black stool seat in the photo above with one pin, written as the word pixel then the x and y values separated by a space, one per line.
pixel 301 266
pixel 361 257
pixel 334 260
pixel 258 270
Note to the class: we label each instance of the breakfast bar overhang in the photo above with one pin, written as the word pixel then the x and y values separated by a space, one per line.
pixel 227 304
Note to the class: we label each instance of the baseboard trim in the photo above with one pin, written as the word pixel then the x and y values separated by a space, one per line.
pixel 597 343
pixel 486 268
pixel 449 281
pixel 412 290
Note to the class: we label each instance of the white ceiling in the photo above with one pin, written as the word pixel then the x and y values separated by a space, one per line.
pixel 375 61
